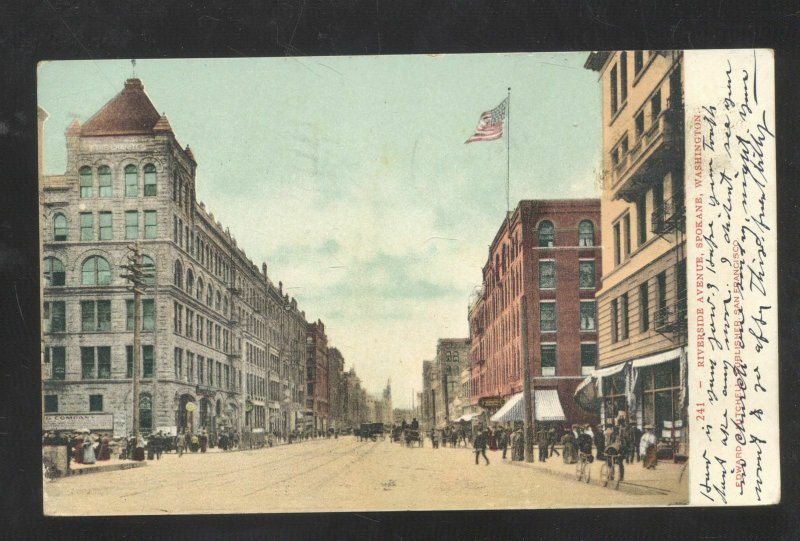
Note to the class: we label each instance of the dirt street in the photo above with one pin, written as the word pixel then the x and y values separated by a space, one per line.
pixel 326 475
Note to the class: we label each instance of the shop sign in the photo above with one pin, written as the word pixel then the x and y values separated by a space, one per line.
pixel 491 402
pixel 205 390
pixel 76 421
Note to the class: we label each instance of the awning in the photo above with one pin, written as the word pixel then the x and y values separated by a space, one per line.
pixel 467 417
pixel 658 358
pixel 609 371
pixel 547 407
pixel 586 395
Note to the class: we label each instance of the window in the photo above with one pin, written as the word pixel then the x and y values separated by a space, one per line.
pixel 95 271
pixel 189 281
pixel 95 402
pixel 189 323
pixel 104 219
pixel 614 399
pixel 200 362
pixel 150 224
pixel 147 361
pixel 148 315
pixel 209 296
pixel 639 123
pixel 661 395
pixel 178 276
pixel 95 316
pixel 103 368
pixel 623 75
pixel 218 300
pixel 145 412
pixel 548 359
pixel 613 90
pixel 210 364
pixel 547 234
pixel 178 361
pixel 547 274
pixel 57 356
pixel 54 274
pixel 588 358
pixel 131 224
pixel 150 186
pixel 617 247
pixel 680 282
pixel 189 367
pixel 638 61
pixel 87 226
pixel 626 236
pixel 131 181
pixel 55 316
pixel 104 175
pixel 586 233
pixel 51 403
pixel 149 270
pixel 623 312
pixel 655 106
pixel 644 307
pixel 59 227
pixel 641 220
pixel 588 319
pixel 174 185
pixel 86 181
pixel 547 316
pixel 614 321
pixel 200 289
pixel 199 328
pixel 586 274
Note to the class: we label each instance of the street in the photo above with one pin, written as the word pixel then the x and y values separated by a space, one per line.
pixel 326 475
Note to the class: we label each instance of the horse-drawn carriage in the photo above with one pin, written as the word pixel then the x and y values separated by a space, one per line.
pixel 411 436
pixel 370 431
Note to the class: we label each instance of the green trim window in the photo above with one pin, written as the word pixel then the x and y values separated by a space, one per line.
pixel 548 359
pixel 54 274
pixel 59 227
pixel 95 402
pixel 547 316
pixel 87 363
pixel 105 226
pixel 57 356
pixel 151 224
pixel 95 271
pixel 131 224
pixel 104 178
pixel 586 274
pixel 87 226
pixel 147 362
pixel 547 274
pixel 95 316
pixel 131 181
pixel 55 316
pixel 86 181
pixel 150 183
pixel 148 315
pixel 149 269
pixel 51 403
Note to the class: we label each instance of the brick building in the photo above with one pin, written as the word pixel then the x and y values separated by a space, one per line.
pixel 317 389
pixel 206 314
pixel 452 356
pixel 642 303
pixel 549 251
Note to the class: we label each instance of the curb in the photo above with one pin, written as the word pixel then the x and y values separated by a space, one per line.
pixel 106 468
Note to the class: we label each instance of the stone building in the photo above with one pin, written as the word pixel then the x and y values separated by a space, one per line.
pixel 549 251
pixel 205 340
pixel 642 303
pixel 335 394
pixel 355 399
pixel 430 390
pixel 452 356
pixel 317 387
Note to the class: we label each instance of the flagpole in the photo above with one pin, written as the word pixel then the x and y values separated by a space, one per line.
pixel 508 153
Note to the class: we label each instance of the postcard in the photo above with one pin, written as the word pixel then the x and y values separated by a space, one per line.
pixel 426 282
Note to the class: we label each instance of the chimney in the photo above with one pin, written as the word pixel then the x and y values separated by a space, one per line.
pixel 73 136
pixel 280 287
pixel 264 270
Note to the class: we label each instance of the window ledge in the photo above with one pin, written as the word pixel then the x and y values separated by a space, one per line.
pixel 618 112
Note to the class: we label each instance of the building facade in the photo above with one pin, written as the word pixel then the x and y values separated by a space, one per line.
pixel 642 302
pixel 335 394
pixel 317 387
pixel 549 251
pixel 205 316
pixel 452 356
pixel 430 389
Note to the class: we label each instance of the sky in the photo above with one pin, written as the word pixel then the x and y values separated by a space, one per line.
pixel 350 178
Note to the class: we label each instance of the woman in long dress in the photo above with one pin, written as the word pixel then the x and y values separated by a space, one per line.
pixel 648 448
pixel 570 449
pixel 88 450
pixel 105 453
pixel 77 453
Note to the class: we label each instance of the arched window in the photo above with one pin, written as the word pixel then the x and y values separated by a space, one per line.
pixel 189 281
pixel 225 305
pixel 178 277
pixel 219 300
pixel 131 181
pixel 200 289
pixel 547 234
pixel 586 233
pixel 95 271
pixel 149 269
pixel 146 412
pixel 174 185
pixel 59 227
pixel 209 296
pixel 86 181
pixel 150 183
pixel 104 176
pixel 54 274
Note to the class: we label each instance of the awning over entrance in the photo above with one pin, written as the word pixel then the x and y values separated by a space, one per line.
pixel 658 358
pixel 547 407
pixel 468 417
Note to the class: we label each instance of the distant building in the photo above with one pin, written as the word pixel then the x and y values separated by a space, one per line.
pixel 335 393
pixel 317 389
pixel 549 251
pixel 452 356
pixel 642 302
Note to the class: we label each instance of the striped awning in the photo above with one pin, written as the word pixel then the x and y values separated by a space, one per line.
pixel 547 407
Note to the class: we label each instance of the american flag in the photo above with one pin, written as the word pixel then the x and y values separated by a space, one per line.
pixel 490 126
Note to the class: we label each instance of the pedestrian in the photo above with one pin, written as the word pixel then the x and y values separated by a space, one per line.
pixel 504 442
pixel 552 439
pixel 518 445
pixel 159 443
pixel 88 450
pixel 492 439
pixel 203 441
pixel 541 440
pixel 617 447
pixel 187 440
pixel 180 444
pixel 584 443
pixel 105 452
pixel 569 441
pixel 138 453
pixel 600 443
pixel 636 438
pixel 150 447
pixel 648 446
pixel 77 454
pixel 195 445
pixel 480 446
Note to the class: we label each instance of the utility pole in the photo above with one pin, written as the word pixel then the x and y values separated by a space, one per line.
pixel 136 277
pixel 526 389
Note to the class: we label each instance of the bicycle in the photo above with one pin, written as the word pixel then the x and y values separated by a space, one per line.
pixel 583 468
pixel 607 471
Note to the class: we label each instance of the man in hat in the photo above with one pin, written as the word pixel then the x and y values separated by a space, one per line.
pixel 647 448
pixel 600 443
pixel 481 440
